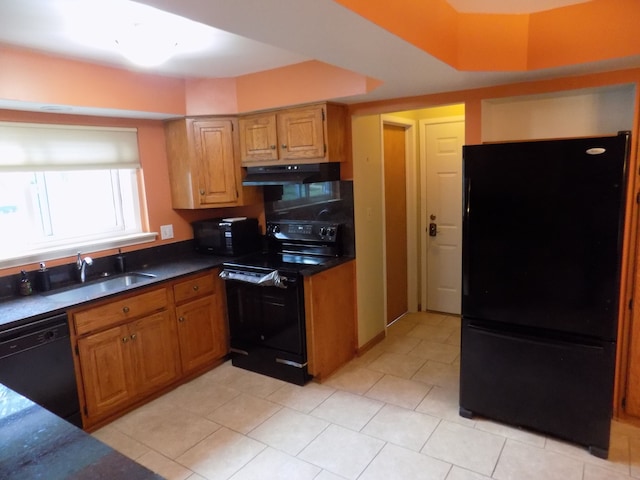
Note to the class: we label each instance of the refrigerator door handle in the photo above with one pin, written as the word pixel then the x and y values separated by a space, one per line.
pixel 532 339
pixel 467 198
pixel 465 232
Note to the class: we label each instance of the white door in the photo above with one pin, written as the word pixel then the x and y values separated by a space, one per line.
pixel 442 215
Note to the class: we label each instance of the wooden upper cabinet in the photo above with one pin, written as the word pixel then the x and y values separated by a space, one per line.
pixel 309 134
pixel 204 165
pixel 258 138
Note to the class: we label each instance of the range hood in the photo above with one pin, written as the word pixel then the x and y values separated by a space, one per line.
pixel 288 174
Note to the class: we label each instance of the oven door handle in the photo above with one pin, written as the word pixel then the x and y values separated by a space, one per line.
pixel 272 279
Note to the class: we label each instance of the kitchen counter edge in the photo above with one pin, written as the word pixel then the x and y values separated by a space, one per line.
pixel 23 310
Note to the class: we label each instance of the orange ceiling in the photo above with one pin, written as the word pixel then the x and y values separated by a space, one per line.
pixel 580 33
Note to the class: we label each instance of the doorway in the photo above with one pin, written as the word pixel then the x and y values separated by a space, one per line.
pixel 399 191
pixel 430 181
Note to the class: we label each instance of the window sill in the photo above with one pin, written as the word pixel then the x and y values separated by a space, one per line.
pixel 47 254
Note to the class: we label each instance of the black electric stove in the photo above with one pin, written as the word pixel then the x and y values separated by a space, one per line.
pixel 265 298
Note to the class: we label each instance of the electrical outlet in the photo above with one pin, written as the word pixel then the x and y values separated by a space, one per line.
pixel 166 231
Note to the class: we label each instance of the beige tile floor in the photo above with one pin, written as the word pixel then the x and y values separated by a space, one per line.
pixel 390 414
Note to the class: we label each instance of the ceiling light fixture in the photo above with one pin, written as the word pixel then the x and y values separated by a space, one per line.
pixel 142 34
pixel 146 45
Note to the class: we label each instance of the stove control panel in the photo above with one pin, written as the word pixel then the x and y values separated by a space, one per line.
pixel 311 231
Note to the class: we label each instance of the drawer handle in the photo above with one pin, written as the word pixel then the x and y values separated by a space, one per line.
pixel 196 288
pixel 133 336
pixel 125 309
pixel 125 339
pixel 181 319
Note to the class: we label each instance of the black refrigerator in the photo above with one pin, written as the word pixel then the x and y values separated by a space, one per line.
pixel 542 239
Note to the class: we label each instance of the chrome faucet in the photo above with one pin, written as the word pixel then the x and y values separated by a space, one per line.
pixel 81 265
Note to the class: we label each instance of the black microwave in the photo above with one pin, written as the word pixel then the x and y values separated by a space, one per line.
pixel 226 236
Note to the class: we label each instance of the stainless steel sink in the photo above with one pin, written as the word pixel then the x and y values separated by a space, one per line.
pixel 95 288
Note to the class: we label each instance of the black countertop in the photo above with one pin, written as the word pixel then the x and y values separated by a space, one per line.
pixel 36 444
pixel 23 310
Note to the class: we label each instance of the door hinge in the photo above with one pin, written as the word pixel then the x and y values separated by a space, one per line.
pixel 631 304
pixel 77 351
pixel 624 402
pixel 638 198
pixel 325 148
pixel 86 411
pixel 323 114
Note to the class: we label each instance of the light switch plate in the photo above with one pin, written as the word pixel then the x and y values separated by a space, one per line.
pixel 166 231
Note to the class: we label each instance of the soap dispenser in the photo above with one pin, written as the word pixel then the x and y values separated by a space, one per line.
pixel 43 280
pixel 25 284
pixel 120 262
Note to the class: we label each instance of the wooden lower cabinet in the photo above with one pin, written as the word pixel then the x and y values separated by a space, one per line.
pixel 107 380
pixel 154 350
pixel 165 336
pixel 124 363
pixel 330 311
pixel 201 335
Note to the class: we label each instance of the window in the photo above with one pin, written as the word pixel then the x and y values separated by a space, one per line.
pixel 56 200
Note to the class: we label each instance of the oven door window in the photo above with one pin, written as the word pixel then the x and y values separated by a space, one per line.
pixel 268 316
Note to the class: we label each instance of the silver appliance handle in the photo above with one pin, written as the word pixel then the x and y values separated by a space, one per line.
pixel 272 279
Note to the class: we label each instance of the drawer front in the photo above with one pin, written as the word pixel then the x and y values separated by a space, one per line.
pixel 96 318
pixel 194 287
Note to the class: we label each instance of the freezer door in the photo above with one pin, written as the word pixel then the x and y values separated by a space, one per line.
pixel 542 233
pixel 549 385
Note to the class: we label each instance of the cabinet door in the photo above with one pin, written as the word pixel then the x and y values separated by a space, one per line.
pixel 154 351
pixel 258 141
pixel 214 157
pixel 201 332
pixel 301 133
pixel 106 373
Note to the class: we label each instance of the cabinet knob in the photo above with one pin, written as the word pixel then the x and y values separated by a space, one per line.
pixel 181 319
pixel 273 147
pixel 202 191
pixel 284 145
pixel 125 309
pixel 133 336
pixel 196 288
pixel 125 339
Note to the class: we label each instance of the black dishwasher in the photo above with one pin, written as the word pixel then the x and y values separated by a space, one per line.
pixel 36 361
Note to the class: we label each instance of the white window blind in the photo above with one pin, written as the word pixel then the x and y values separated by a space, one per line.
pixel 38 147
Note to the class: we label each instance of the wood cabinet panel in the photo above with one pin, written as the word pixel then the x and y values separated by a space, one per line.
pixel 202 326
pixel 301 134
pixel 194 287
pixel 155 351
pixel 258 138
pixel 330 308
pixel 116 311
pixel 202 340
pixel 307 134
pixel 204 164
pixel 106 376
pixel 215 163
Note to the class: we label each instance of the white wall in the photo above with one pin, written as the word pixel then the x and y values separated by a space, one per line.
pixel 578 113
pixel 369 225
